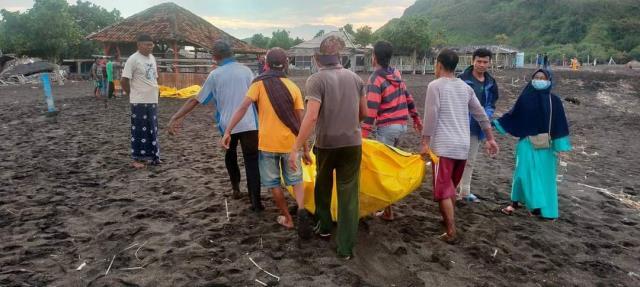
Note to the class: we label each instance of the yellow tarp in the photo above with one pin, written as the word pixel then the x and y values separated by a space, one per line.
pixel 188 92
pixel 387 175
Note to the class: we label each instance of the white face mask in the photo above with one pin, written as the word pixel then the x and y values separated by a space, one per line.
pixel 540 84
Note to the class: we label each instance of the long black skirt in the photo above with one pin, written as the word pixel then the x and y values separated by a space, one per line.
pixel 144 133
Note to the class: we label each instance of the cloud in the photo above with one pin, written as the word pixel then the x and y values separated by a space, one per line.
pixel 16 8
pixel 373 15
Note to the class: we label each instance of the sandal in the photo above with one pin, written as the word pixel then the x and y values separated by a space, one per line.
pixel 282 220
pixel 471 198
pixel 508 210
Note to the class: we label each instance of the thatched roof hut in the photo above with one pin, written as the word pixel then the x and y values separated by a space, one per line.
pixel 171 25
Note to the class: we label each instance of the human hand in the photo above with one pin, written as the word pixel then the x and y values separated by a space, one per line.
pixel 492 148
pixel 226 140
pixel 174 126
pixel 293 160
pixel 417 126
pixel 306 158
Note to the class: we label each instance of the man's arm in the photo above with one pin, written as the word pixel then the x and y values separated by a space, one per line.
pixel 413 112
pixel 306 128
pixel 431 107
pixel 176 120
pixel 373 99
pixel 495 94
pixel 363 107
pixel 477 112
pixel 306 156
pixel 235 119
pixel 124 82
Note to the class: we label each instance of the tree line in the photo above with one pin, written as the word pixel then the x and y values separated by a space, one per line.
pixel 53 29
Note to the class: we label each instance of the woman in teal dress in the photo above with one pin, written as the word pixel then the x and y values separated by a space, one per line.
pixel 537 111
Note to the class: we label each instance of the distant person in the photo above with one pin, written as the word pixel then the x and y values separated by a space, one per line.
pixel 539 121
pixel 280 111
pixel 140 82
pixel 262 65
pixel 545 61
pixel 113 74
pixel 98 73
pixel 445 137
pixel 227 86
pixel 485 88
pixel 390 105
pixel 94 77
pixel 575 64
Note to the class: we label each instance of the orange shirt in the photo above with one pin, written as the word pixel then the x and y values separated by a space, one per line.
pixel 274 136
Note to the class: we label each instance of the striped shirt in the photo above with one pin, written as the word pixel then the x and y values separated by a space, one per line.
pixel 447 107
pixel 388 101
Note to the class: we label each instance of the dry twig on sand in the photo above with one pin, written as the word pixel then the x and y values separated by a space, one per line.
pixel 136 254
pixel 610 194
pixel 265 271
pixel 227 207
pixel 131 268
pixel 114 258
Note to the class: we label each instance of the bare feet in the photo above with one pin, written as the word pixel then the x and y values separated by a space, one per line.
pixel 449 238
pixel 282 220
pixel 386 214
pixel 138 165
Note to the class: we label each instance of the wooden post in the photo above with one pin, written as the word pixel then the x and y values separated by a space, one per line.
pixel 118 52
pixel 106 47
pixel 176 73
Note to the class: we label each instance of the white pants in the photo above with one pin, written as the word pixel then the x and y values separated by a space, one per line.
pixel 465 184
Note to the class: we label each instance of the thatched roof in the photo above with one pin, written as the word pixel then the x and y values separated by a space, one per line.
pixel 169 22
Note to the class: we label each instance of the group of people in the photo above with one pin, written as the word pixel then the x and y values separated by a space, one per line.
pixel 267 116
pixel 542 61
pixel 105 74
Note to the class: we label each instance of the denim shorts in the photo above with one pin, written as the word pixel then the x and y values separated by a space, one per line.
pixel 390 135
pixel 275 169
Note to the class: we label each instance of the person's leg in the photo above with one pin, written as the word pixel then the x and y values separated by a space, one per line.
pixel 269 165
pixel 323 189
pixel 155 143
pixel 231 163
pixel 348 187
pixel 294 179
pixel 447 212
pixel 110 89
pixel 136 143
pixel 250 153
pixel 390 135
pixel 465 184
pixel 444 191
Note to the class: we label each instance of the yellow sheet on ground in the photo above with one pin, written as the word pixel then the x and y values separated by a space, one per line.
pixel 387 175
pixel 188 92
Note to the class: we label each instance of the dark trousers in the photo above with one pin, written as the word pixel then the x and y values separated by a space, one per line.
pixel 346 163
pixel 249 144
pixel 110 89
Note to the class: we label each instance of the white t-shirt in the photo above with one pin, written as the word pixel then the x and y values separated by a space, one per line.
pixel 143 78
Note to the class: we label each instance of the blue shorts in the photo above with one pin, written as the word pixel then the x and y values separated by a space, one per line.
pixel 273 165
pixel 390 135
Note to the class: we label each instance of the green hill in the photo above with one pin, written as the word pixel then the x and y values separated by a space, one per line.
pixel 601 28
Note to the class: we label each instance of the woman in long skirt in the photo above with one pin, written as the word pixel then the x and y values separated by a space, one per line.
pixel 539 120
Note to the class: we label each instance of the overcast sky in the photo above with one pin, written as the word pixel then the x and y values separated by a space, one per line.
pixel 243 18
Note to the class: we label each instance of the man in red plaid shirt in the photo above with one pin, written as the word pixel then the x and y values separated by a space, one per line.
pixel 389 104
